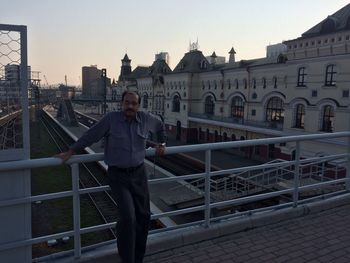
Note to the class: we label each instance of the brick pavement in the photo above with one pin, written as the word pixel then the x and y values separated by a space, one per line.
pixel 321 237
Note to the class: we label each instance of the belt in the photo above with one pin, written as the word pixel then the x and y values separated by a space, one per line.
pixel 126 169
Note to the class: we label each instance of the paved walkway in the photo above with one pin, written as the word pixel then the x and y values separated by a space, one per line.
pixel 321 237
pixel 317 237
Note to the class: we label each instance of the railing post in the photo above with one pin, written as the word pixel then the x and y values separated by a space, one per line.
pixel 296 175
pixel 207 187
pixel 76 209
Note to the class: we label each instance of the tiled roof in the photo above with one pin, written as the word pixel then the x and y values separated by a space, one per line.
pixel 339 21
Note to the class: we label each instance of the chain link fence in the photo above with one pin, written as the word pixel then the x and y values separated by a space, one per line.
pixel 11 135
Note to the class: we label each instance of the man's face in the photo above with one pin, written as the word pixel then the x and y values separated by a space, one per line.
pixel 130 105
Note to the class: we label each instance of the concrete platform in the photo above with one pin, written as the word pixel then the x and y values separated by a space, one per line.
pixel 316 232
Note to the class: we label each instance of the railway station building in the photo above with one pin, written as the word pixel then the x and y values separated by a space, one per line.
pixel 299 87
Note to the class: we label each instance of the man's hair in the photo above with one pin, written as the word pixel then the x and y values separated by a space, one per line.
pixel 131 92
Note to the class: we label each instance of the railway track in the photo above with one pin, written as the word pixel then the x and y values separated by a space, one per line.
pixel 11 131
pixel 90 176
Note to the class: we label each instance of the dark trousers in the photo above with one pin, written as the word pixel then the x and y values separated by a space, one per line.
pixel 130 189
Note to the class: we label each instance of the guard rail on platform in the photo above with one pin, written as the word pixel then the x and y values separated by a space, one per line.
pixel 209 205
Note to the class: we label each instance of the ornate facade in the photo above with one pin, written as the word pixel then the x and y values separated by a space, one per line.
pixel 304 89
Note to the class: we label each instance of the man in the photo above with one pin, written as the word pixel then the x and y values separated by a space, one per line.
pixel 125 136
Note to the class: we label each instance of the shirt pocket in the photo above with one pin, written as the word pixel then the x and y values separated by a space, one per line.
pixel 141 137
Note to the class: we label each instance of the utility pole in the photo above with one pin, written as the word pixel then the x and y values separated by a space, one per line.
pixel 104 81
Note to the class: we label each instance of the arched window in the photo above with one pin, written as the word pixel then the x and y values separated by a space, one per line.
pixel 275 82
pixel 233 137
pixel 176 103
pixel 299 116
pixel 254 83
pixel 237 84
pixel 228 84
pixel 209 105
pixel 145 101
pixel 237 107
pixel 327 121
pixel 330 75
pixel 207 136
pixel 225 136
pixel 275 110
pixel 301 77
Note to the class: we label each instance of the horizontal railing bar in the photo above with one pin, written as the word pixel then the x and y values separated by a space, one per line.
pixel 248 199
pixel 176 178
pixel 35 240
pixel 30 199
pixel 254 211
pixel 175 227
pixel 53 161
pixel 94 189
pixel 89 229
pixel 178 212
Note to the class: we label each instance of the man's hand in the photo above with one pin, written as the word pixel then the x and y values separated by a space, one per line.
pixel 160 149
pixel 65 155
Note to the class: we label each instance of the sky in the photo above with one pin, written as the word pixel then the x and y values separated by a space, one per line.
pixel 65 35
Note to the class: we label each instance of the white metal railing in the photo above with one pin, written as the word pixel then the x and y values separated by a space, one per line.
pixel 208 205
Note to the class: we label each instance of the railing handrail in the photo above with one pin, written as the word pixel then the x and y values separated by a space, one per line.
pixel 52 161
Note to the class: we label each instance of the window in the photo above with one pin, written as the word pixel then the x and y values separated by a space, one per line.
pixel 264 83
pixel 176 103
pixel 145 101
pixel 346 93
pixel 275 110
pixel 254 83
pixel 209 105
pixel 275 82
pixel 207 137
pixel 254 96
pixel 301 77
pixel 327 119
pixel 253 112
pixel 237 107
pixel 229 84
pixel 330 75
pixel 237 84
pixel 203 64
pixel 314 93
pixel 245 83
pixel 299 116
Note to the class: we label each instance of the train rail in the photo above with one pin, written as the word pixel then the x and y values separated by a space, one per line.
pixel 90 176
pixel 11 131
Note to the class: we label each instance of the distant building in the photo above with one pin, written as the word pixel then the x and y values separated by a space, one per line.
pixel 93 83
pixel 163 56
pixel 66 92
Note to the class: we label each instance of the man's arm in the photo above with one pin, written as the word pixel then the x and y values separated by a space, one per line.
pixel 92 135
pixel 156 125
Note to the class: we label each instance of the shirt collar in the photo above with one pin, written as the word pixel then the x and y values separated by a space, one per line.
pixel 137 117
